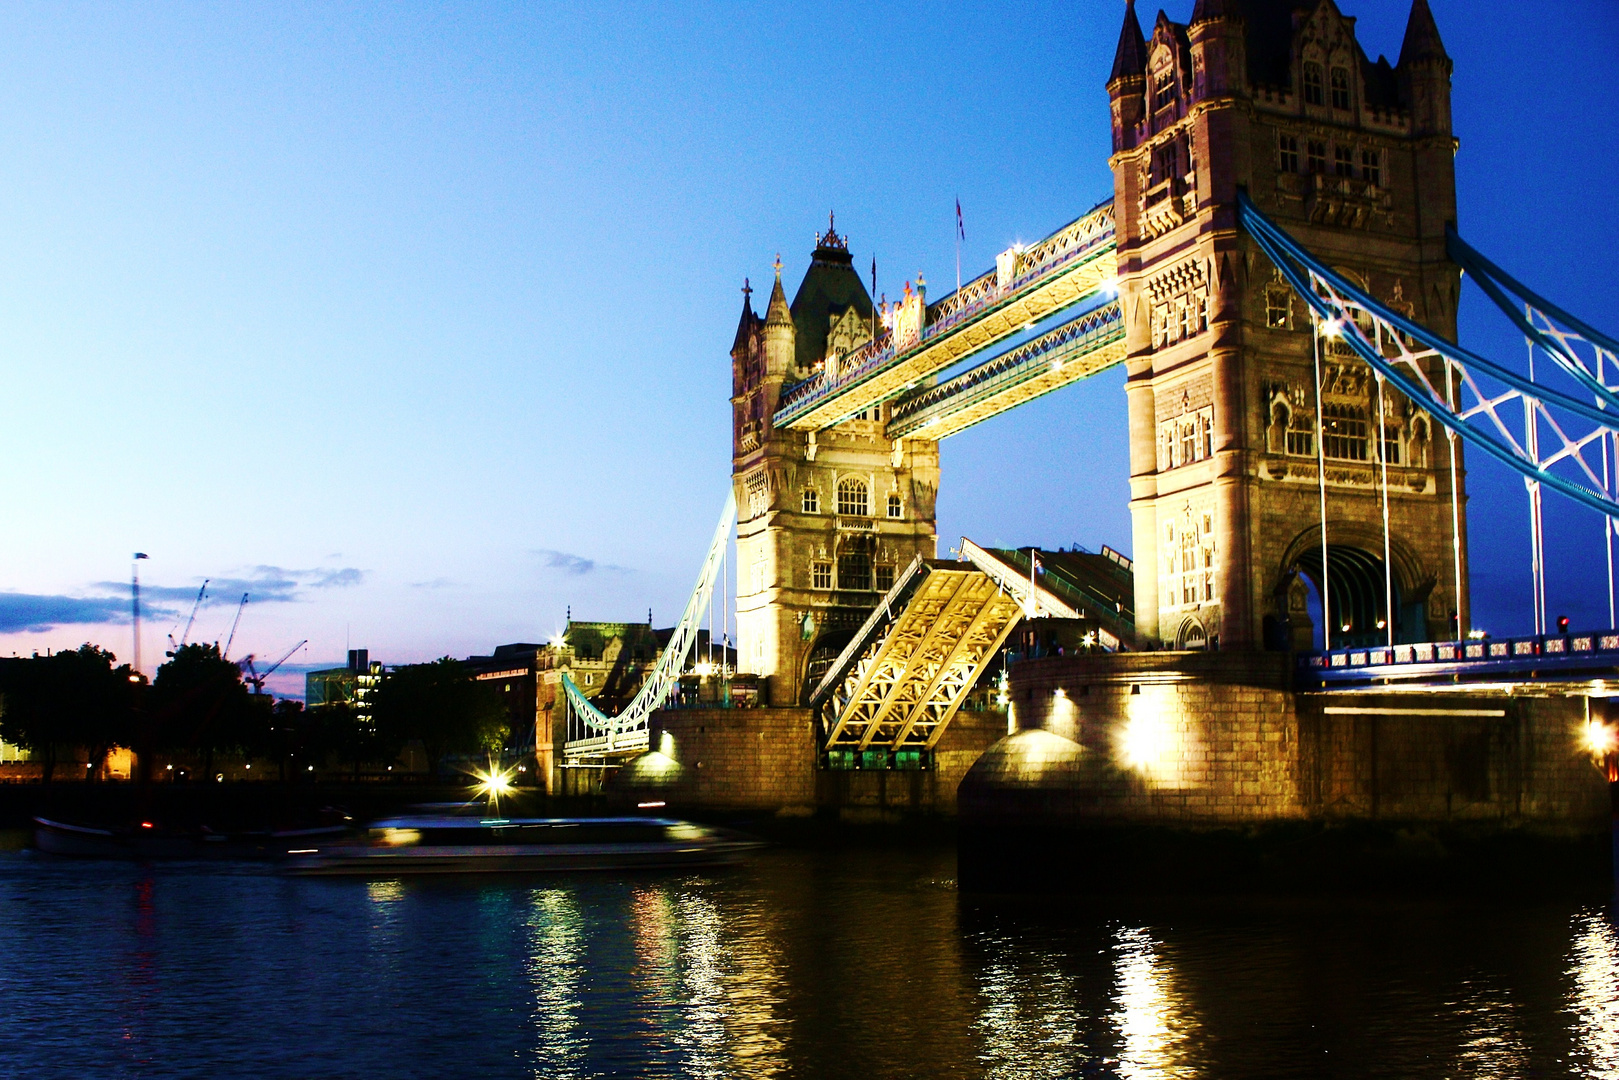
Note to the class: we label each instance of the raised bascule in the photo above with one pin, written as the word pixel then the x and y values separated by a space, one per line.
pixel 1279 271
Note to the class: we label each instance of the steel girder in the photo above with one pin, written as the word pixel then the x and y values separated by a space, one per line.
pixel 1066 268
pixel 1082 347
pixel 903 686
pixel 1527 426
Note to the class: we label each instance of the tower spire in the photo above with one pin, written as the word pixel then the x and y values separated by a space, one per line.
pixel 1422 40
pixel 1130 58
pixel 746 324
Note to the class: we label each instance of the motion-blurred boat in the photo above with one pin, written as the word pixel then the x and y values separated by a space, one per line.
pixel 425 844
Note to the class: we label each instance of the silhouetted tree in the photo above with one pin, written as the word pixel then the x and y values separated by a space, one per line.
pixel 67 699
pixel 441 705
pixel 199 704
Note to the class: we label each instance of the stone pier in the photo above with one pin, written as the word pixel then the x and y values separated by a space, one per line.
pixel 1136 750
pixel 765 761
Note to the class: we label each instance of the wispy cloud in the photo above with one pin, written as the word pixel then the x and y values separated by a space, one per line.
pixel 576 565
pixel 265 584
pixel 436 583
pixel 29 612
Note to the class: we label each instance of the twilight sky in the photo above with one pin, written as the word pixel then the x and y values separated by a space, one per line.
pixel 412 320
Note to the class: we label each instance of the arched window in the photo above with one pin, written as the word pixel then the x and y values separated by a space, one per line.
pixel 1313 89
pixel 852 498
pixel 812 501
pixel 1340 88
pixel 894 506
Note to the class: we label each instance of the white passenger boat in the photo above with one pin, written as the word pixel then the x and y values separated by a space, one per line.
pixel 427 844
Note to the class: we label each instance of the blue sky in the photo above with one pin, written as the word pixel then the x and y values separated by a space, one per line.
pixel 411 320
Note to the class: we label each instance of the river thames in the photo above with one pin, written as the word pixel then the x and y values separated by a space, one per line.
pixel 864 963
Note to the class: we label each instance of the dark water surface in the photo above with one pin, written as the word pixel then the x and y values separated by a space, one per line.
pixel 809 964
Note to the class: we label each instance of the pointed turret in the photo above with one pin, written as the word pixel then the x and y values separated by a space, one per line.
pixel 1205 10
pixel 746 325
pixel 1218 34
pixel 1127 85
pixel 1130 58
pixel 778 331
pixel 1424 73
pixel 1422 42
pixel 778 314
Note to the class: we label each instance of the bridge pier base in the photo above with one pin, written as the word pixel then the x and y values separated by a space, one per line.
pixel 1169 768
pixel 766 762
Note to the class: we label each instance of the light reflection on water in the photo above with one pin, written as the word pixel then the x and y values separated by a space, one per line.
pixel 1153 1020
pixel 863 964
pixel 1593 967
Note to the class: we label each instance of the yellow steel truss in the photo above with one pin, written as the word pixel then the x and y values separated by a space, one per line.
pixel 902 693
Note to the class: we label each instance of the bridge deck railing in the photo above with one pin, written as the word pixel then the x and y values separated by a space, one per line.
pixel 1086 237
pixel 1538 656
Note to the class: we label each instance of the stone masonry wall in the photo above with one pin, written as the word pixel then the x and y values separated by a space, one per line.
pixel 1220 739
pixel 766 760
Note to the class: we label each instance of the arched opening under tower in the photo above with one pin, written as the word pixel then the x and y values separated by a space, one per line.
pixel 1358 594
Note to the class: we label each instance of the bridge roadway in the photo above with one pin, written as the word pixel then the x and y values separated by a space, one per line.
pixel 1586 663
pixel 1076 264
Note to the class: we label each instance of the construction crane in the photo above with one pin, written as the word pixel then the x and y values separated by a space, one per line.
pixel 175 646
pixel 234 623
pixel 255 678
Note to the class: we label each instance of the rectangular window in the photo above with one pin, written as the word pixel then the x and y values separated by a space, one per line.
pixel 1370 167
pixel 1340 88
pixel 1301 442
pixel 1343 161
pixel 1315 155
pixel 854 571
pixel 1164 90
pixel 885 578
pixel 1278 309
pixel 1391 445
pixel 1344 432
pixel 821 575
pixel 812 501
pixel 1312 84
pixel 1189 441
pixel 1287 147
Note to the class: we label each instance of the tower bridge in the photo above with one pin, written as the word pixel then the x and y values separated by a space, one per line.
pixel 1279 272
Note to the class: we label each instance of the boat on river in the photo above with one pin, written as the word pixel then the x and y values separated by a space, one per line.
pixel 146 840
pixel 450 844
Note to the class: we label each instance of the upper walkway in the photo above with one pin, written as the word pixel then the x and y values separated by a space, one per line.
pixel 1027 286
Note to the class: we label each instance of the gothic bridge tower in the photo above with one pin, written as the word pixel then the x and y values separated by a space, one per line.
pixel 1355 159
pixel 824 520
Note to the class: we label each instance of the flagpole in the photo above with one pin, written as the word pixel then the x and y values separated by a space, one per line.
pixel 961 234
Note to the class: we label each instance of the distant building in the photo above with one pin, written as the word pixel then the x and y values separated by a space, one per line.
pixel 351 685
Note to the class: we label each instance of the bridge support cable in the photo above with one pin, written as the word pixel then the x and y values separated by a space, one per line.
pixel 591 732
pixel 1479 396
pixel 1588 356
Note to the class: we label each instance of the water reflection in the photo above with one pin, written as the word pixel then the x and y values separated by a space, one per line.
pixel 1032 1021
pixel 1593 968
pixel 1493 1046
pixel 837 964
pixel 1152 1018
pixel 556 976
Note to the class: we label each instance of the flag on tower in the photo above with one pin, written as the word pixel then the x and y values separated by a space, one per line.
pixel 961 229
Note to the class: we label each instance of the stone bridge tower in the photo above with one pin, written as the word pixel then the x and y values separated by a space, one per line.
pixel 1355 159
pixel 824 520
